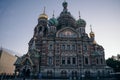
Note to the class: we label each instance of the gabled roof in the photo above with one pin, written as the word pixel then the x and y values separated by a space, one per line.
pixel 23 59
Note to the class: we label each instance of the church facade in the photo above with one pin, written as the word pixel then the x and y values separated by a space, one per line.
pixel 60 47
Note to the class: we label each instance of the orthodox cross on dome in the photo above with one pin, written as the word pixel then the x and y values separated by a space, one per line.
pixel 65 5
pixel 44 10
pixel 53 13
pixel 79 15
pixel 91 28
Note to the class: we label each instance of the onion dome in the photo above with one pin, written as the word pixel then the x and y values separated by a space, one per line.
pixel 92 35
pixel 80 22
pixel 53 21
pixel 65 19
pixel 43 15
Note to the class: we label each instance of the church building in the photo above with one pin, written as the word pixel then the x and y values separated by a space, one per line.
pixel 60 47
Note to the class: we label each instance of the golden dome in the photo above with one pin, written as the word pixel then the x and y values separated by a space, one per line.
pixel 91 33
pixel 42 16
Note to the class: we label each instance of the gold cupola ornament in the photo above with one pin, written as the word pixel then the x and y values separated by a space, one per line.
pixel 43 15
pixel 92 35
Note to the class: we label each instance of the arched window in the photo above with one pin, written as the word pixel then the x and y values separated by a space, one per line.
pixel 74 73
pixel 68 60
pixel 74 60
pixel 101 61
pixel 50 61
pixel 97 61
pixel 86 60
pixel 63 47
pixel 50 46
pixel 49 73
pixel 73 47
pixel 63 60
pixel 63 73
pixel 68 47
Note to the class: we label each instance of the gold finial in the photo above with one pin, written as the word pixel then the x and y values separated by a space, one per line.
pixel 91 33
pixel 79 15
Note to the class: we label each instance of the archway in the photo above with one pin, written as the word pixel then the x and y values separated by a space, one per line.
pixel 63 74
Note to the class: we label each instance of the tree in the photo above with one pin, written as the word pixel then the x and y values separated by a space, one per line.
pixel 115 64
pixel 118 57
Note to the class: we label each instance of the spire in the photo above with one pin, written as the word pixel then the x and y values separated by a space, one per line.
pixel 92 35
pixel 65 5
pixel 43 15
pixel 44 10
pixel 79 15
pixel 53 13
pixel 91 28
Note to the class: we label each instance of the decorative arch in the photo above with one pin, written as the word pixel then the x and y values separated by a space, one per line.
pixel 26 71
pixel 64 73
pixel 49 73
pixel 27 61
pixel 74 73
pixel 67 32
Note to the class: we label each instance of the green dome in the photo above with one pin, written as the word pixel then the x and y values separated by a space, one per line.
pixel 53 22
pixel 81 23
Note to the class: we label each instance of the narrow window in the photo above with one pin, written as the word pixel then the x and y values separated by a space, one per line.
pixel 101 61
pixel 68 47
pixel 63 47
pixel 68 60
pixel 63 60
pixel 97 61
pixel 49 60
pixel 50 47
pixel 73 47
pixel 86 60
pixel 74 60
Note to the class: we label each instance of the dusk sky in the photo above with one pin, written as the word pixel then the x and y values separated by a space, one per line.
pixel 18 19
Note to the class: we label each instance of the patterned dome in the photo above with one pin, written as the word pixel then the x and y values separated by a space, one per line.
pixel 65 19
pixel 81 23
pixel 53 21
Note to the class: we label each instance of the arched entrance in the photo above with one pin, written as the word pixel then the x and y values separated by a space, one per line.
pixel 74 74
pixel 26 71
pixel 63 74
pixel 49 73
